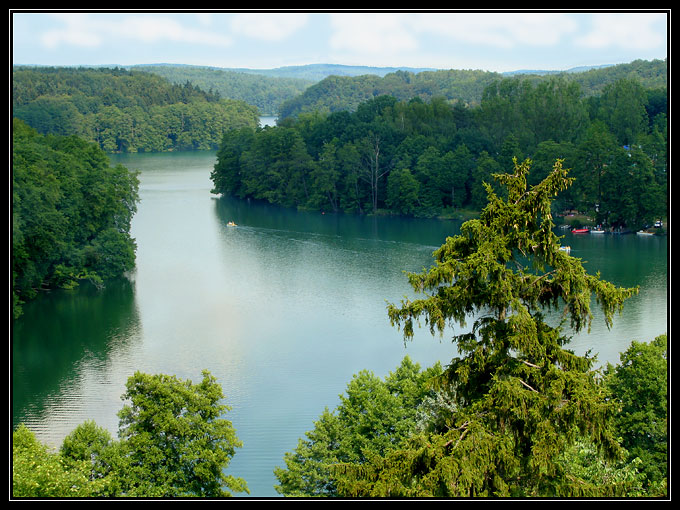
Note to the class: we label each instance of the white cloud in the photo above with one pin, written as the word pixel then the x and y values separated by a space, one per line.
pixel 641 31
pixel 267 26
pixel 76 32
pixel 500 30
pixel 372 33
pixel 155 29
pixel 88 30
pixel 396 37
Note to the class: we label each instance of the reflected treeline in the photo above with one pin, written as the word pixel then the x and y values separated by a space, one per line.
pixel 58 330
pixel 262 215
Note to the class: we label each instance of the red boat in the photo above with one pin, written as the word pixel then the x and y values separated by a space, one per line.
pixel 580 231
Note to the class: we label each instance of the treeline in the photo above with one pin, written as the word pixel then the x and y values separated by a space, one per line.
pixel 426 159
pixel 336 93
pixel 71 214
pixel 125 111
pixel 265 92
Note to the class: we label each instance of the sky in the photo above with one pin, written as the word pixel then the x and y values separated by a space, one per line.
pixel 485 40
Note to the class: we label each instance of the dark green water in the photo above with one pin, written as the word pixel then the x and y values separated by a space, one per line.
pixel 282 309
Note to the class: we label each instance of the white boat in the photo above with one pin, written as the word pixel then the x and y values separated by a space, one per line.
pixel 565 248
pixel 644 233
pixel 231 224
pixel 597 231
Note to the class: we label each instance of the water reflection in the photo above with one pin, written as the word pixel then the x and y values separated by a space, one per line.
pixel 63 349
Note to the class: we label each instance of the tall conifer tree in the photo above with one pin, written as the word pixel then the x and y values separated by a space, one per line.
pixel 520 397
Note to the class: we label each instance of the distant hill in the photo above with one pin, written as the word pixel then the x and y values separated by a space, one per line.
pixel 336 93
pixel 265 91
pixel 265 88
pixel 314 73
pixel 317 72
pixel 539 72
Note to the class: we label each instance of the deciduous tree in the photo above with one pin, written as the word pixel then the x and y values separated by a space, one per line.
pixel 176 440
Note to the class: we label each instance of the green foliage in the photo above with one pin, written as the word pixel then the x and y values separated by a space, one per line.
pixel 39 473
pixel 639 388
pixel 598 477
pixel 71 213
pixel 174 442
pixel 125 111
pixel 409 156
pixel 519 398
pixel 373 417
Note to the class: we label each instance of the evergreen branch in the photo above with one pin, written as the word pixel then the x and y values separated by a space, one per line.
pixel 525 384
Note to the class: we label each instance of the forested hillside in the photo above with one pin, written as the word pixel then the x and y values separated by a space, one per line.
pixel 125 111
pixel 336 93
pixel 428 158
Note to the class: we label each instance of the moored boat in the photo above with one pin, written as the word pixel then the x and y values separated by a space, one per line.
pixel 580 231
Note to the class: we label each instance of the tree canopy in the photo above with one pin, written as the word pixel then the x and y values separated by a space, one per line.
pixel 409 156
pixel 173 442
pixel 639 387
pixel 71 213
pixel 373 417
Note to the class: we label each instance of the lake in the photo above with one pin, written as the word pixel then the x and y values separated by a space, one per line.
pixel 283 309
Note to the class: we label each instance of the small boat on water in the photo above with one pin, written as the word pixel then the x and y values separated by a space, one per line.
pixel 644 233
pixel 231 224
pixel 580 231
pixel 565 248
pixel 597 231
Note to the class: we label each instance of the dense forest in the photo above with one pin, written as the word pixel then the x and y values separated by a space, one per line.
pixel 125 111
pixel 430 158
pixel 71 214
pixel 288 91
pixel 346 92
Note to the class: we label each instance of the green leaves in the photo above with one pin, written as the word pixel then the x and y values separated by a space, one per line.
pixel 174 442
pixel 639 388
pixel 39 473
pixel 373 417
pixel 71 213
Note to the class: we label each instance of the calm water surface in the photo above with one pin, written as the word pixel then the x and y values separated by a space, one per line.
pixel 282 309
